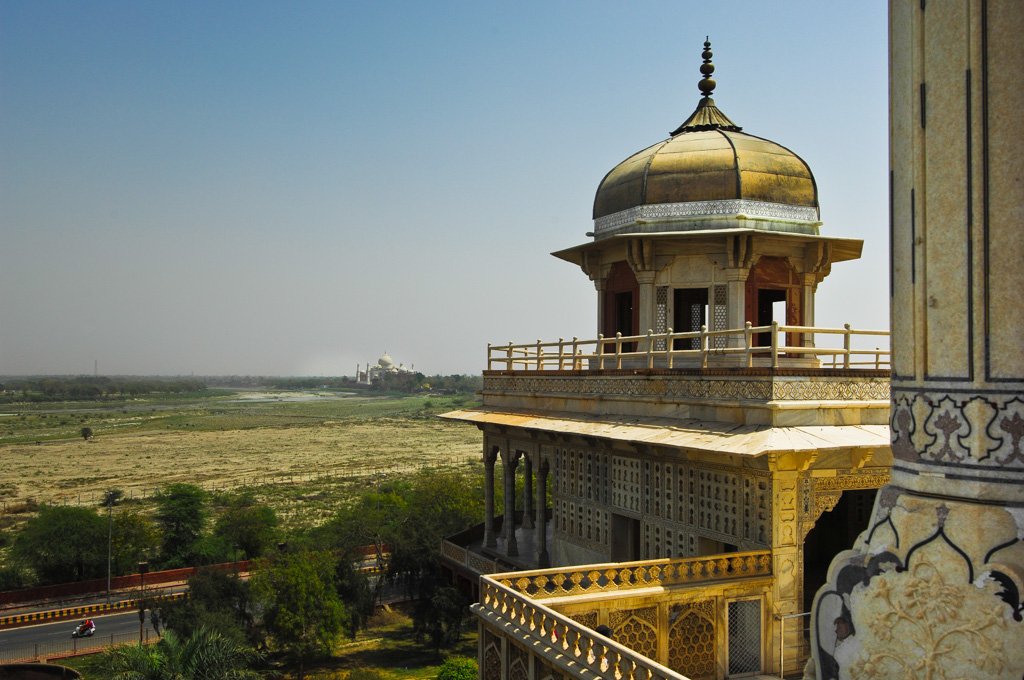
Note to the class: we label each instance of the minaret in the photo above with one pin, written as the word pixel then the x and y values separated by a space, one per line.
pixel 933 588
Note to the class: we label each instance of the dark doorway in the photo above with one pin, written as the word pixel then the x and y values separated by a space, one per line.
pixel 834 532
pixel 625 539
pixel 691 312
pixel 621 297
pixel 766 300
pixel 624 313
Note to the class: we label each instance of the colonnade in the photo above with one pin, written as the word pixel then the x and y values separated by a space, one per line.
pixel 535 500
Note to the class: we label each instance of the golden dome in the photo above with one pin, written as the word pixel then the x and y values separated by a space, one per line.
pixel 707 165
pixel 708 159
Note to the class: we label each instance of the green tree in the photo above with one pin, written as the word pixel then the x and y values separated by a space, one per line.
pixel 204 655
pixel 86 433
pixel 181 515
pixel 63 544
pixel 218 601
pixel 134 538
pixel 250 527
pixel 438 614
pixel 301 610
pixel 458 668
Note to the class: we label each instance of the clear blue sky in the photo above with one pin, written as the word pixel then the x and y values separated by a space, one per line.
pixel 275 188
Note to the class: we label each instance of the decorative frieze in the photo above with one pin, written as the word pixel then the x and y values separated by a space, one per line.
pixel 699 387
pixel 950 429
pixel 726 208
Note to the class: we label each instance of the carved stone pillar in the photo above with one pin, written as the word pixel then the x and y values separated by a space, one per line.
pixel 508 526
pixel 541 530
pixel 490 456
pixel 527 492
pixel 640 256
pixel 933 588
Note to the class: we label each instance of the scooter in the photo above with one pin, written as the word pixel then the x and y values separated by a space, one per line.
pixel 86 629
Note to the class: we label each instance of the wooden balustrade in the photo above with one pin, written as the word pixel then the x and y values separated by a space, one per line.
pixel 657 350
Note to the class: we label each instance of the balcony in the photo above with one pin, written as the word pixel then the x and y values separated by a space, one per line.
pixel 773 346
pixel 674 619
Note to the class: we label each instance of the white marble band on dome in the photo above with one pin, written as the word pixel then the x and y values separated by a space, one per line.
pixel 736 206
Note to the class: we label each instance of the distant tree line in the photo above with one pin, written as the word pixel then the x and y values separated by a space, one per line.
pixel 91 387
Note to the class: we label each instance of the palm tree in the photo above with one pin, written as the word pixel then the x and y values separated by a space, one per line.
pixel 205 655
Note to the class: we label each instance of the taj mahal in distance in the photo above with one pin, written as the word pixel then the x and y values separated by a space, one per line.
pixel 714 486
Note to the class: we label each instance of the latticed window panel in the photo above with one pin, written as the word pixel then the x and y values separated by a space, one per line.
pixel 691 641
pixel 660 315
pixel 492 663
pixel 744 636
pixel 517 669
pixel 719 319
pixel 638 635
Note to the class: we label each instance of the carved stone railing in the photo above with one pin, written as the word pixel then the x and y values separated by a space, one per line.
pixel 657 350
pixel 597 578
pixel 580 652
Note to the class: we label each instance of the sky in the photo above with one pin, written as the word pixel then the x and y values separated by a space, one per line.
pixel 268 188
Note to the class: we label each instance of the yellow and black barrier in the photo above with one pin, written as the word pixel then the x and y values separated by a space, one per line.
pixel 19 620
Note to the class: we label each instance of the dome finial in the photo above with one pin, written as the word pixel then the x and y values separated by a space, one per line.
pixel 707 116
pixel 707 83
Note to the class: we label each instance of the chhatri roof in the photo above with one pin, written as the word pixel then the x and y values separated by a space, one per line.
pixel 709 159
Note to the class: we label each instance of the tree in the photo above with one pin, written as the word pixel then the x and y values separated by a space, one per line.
pixel 250 527
pixel 86 433
pixel 204 655
pixel 301 610
pixel 217 601
pixel 437 617
pixel 181 515
pixel 134 538
pixel 63 544
pixel 458 668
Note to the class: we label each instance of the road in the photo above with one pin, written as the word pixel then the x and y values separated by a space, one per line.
pixel 58 635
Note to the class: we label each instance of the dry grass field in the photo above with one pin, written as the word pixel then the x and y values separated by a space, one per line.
pixel 302 456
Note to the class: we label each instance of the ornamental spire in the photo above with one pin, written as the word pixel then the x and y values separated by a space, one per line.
pixel 707 116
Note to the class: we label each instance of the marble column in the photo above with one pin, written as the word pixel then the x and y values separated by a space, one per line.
pixel 933 588
pixel 541 530
pixel 490 456
pixel 508 525
pixel 527 492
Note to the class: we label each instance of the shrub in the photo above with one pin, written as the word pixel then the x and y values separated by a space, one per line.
pixel 458 668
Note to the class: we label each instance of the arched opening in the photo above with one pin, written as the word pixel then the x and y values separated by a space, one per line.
pixel 773 293
pixel 621 303
pixel 834 532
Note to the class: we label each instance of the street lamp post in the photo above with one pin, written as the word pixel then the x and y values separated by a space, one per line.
pixel 143 569
pixel 378 474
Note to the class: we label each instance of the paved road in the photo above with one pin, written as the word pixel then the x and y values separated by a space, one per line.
pixel 57 636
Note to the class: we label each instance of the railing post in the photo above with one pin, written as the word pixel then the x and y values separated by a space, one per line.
pixel 669 359
pixel 600 351
pixel 540 351
pixel 618 349
pixel 509 357
pixel 775 344
pixel 488 357
pixel 561 354
pixel 704 346
pixel 746 339
pixel 650 348
pixel 576 363
pixel 846 345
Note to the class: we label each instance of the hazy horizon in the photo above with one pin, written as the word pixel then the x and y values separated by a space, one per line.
pixel 295 189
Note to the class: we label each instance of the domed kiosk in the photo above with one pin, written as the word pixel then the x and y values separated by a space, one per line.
pixel 706 471
pixel 711 227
